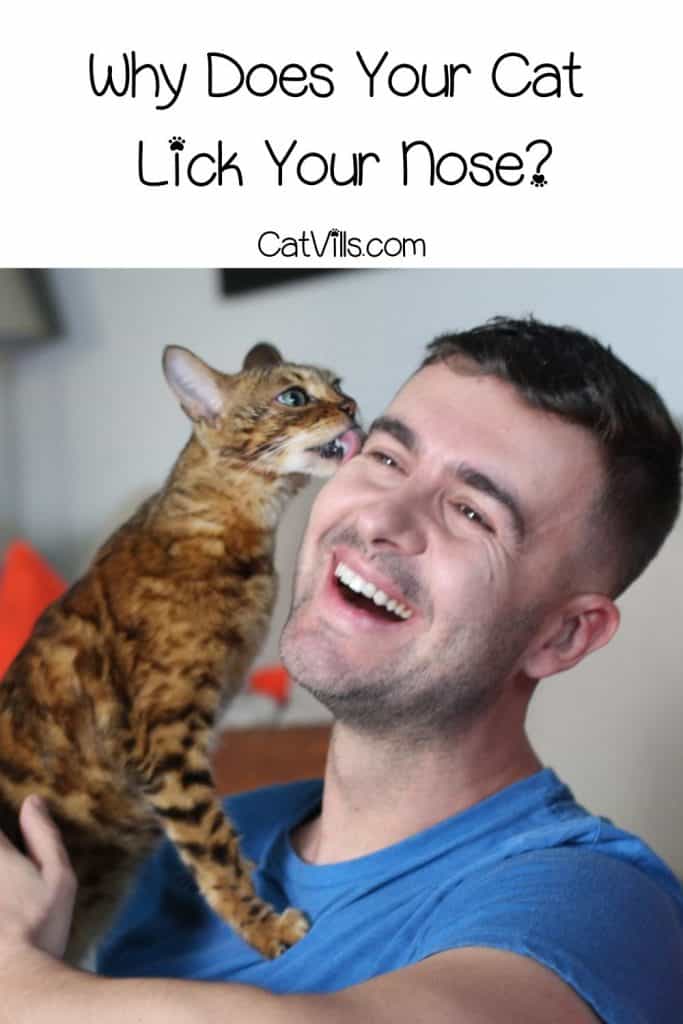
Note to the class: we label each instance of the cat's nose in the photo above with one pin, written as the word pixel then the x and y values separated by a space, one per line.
pixel 349 407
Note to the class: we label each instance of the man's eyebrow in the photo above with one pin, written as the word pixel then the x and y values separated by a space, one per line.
pixel 483 483
pixel 399 430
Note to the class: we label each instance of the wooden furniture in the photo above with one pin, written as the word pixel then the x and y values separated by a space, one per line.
pixel 248 758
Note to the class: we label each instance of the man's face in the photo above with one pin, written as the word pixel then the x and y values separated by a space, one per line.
pixel 466 508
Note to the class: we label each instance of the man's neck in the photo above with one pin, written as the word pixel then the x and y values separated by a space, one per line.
pixel 379 791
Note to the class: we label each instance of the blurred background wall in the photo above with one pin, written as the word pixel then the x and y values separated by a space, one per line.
pixel 88 428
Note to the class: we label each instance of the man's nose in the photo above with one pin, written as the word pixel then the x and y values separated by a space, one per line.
pixel 393 521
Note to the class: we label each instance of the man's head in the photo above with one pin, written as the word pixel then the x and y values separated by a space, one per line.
pixel 566 372
pixel 474 507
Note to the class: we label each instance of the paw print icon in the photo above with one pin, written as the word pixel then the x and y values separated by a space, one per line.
pixel 539 180
pixel 176 143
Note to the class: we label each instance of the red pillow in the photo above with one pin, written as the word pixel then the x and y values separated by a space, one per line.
pixel 27 586
pixel 272 681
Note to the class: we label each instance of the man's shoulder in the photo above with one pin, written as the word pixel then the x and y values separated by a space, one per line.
pixel 571 890
pixel 549 818
pixel 609 922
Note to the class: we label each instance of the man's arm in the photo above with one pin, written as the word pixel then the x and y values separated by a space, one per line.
pixel 466 986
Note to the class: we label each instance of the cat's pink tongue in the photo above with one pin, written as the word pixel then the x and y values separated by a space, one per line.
pixel 351 441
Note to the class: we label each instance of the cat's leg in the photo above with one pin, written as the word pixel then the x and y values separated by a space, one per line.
pixel 178 784
pixel 92 916
pixel 105 876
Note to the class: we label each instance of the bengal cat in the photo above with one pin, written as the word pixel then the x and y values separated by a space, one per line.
pixel 108 710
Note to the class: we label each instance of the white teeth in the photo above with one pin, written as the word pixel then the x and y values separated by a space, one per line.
pixel 362 586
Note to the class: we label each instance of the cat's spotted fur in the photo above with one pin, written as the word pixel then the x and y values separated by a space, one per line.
pixel 108 710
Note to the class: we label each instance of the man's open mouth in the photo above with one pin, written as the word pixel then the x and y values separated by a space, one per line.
pixel 364 594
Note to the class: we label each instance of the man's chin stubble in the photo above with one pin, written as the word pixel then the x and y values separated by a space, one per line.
pixel 423 715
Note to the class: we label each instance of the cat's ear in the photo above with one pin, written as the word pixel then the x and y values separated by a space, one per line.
pixel 262 355
pixel 194 384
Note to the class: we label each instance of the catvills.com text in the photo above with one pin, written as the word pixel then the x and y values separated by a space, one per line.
pixel 338 244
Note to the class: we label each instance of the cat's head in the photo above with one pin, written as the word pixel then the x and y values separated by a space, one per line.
pixel 281 418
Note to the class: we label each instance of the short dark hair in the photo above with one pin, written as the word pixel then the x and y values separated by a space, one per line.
pixel 566 372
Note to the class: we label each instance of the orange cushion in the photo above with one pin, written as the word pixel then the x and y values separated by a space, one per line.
pixel 27 586
pixel 272 681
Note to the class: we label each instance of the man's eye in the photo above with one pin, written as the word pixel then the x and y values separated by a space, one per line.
pixel 382 458
pixel 471 513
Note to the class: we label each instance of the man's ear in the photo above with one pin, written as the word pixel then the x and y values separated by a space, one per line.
pixel 586 623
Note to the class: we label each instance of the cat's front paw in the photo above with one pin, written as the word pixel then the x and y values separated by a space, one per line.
pixel 292 926
pixel 280 931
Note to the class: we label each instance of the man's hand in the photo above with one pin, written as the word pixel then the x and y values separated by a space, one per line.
pixel 36 892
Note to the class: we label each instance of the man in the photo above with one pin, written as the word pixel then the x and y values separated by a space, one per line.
pixel 518 482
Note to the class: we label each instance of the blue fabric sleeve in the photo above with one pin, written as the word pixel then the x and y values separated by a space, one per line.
pixel 599 923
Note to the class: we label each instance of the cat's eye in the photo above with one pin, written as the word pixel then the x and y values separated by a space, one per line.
pixel 293 397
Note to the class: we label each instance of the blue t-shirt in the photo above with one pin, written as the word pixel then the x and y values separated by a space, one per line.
pixel 526 870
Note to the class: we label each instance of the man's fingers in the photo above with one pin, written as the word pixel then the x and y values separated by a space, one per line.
pixel 45 885
pixel 43 842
